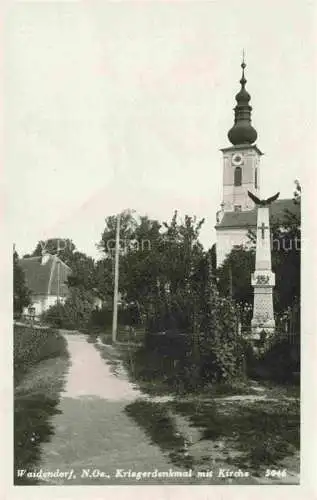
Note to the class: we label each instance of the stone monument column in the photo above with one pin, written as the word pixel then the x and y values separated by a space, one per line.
pixel 263 280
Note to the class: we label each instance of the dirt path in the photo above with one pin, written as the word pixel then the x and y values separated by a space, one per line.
pixel 93 431
pixel 91 376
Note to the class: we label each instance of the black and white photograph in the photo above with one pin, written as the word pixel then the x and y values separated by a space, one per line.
pixel 156 156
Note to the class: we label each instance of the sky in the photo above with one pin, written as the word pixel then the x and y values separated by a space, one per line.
pixel 116 105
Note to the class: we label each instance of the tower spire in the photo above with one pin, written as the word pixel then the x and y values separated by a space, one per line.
pixel 242 131
pixel 243 65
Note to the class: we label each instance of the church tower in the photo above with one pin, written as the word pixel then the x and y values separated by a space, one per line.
pixel 241 173
pixel 241 161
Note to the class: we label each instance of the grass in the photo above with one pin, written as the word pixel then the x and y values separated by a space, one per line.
pixel 157 422
pixel 255 437
pixel 281 390
pixel 40 363
pixel 32 426
pixel 263 432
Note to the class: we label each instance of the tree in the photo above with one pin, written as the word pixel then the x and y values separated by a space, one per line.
pixel 83 271
pixel 21 293
pixel 286 261
pixel 297 192
pixel 140 267
pixel 62 247
pixel 137 239
pixel 161 277
pixel 104 279
pixel 156 259
pixel 234 276
pixel 128 224
pixel 213 256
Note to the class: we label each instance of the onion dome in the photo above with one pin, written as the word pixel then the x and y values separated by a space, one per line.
pixel 242 131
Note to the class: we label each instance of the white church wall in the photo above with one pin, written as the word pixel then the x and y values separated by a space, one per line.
pixel 227 239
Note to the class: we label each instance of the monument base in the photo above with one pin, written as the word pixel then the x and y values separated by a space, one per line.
pixel 262 328
pixel 261 335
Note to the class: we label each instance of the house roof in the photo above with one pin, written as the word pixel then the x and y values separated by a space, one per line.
pixel 42 275
pixel 247 219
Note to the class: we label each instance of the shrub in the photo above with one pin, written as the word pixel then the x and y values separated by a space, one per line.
pixel 194 344
pixel 33 345
pixel 103 317
pixel 281 362
pixel 34 407
pixel 75 313
pixel 221 346
pixel 56 316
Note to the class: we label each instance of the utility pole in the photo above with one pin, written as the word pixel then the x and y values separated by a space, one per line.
pixel 58 278
pixel 116 283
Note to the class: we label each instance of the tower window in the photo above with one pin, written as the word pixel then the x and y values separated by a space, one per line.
pixel 237 208
pixel 238 176
pixel 256 178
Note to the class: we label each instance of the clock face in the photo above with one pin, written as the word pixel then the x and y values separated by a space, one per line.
pixel 237 159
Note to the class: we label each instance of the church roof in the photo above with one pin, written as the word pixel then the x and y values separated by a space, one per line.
pixel 247 219
pixel 41 275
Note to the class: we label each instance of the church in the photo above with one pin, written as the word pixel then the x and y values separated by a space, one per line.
pixel 242 173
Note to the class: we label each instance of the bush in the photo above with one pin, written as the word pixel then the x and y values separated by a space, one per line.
pixel 75 313
pixel 34 408
pixel 194 347
pixel 281 362
pixel 103 317
pixel 172 316
pixel 33 345
pixel 222 348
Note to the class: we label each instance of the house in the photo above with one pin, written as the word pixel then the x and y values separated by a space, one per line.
pixel 46 277
pixel 242 173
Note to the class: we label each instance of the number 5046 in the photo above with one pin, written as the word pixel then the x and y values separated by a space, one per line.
pixel 275 473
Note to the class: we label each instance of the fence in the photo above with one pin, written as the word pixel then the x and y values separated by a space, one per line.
pixel 288 324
